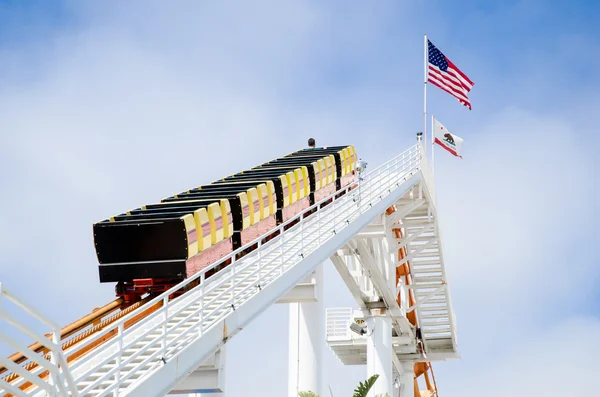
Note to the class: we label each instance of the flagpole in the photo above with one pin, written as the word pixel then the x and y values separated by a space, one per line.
pixel 432 144
pixel 425 53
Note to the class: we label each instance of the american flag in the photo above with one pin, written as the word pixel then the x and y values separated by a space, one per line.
pixel 445 75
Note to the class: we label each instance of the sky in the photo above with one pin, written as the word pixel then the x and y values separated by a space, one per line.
pixel 106 106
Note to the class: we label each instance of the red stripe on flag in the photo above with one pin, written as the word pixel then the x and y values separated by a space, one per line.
pixel 437 140
pixel 435 75
pixel 452 66
pixel 466 103
pixel 453 81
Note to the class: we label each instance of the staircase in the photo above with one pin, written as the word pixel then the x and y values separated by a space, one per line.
pixel 423 244
pixel 378 243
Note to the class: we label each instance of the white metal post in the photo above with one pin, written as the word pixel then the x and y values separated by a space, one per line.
pixel 305 341
pixel 407 380
pixel 120 330
pixel 432 144
pixel 55 379
pixel 379 354
pixel 425 55
pixel 379 343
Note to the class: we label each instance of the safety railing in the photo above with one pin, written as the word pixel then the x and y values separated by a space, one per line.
pixel 52 375
pixel 195 312
pixel 338 320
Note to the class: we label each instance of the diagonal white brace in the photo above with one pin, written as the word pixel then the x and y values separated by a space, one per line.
pixel 353 287
pixel 409 239
pixel 417 252
pixel 368 262
pixel 400 213
pixel 426 297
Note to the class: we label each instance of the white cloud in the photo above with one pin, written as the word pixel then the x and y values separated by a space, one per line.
pixel 511 202
pixel 560 360
pixel 140 105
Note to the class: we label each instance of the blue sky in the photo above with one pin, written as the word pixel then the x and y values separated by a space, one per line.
pixel 101 105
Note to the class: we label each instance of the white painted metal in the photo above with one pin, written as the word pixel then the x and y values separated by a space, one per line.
pixel 379 354
pixel 380 282
pixel 430 285
pixel 304 291
pixel 338 323
pixel 357 280
pixel 208 378
pixel 376 248
pixel 351 349
pixel 60 381
pixel 157 353
pixel 305 340
pixel 406 380
pixel 417 216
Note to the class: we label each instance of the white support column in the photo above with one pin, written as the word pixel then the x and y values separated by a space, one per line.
pixel 407 380
pixel 379 354
pixel 379 343
pixel 305 339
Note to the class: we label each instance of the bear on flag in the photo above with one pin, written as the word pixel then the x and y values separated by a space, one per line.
pixel 445 139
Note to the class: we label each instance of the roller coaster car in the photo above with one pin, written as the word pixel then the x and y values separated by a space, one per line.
pixel 152 248
pixel 318 170
pixel 345 160
pixel 247 210
pixel 292 186
pixel 164 241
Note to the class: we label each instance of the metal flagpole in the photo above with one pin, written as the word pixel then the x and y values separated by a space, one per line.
pixel 425 54
pixel 432 144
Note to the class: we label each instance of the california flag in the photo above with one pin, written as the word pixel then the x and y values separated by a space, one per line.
pixel 445 139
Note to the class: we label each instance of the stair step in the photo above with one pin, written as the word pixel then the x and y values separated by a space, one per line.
pixel 428 324
pixel 420 238
pixel 439 297
pixel 426 253
pixel 425 279
pixel 432 308
pixel 426 287
pixel 419 242
pixel 426 316
pixel 426 271
pixel 436 299
pixel 419 263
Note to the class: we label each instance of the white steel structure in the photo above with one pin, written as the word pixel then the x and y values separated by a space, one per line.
pixel 356 231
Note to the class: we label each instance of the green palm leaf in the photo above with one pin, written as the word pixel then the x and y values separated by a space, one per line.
pixel 363 387
pixel 307 394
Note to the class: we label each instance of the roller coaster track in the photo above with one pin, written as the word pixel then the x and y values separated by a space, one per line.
pixel 149 348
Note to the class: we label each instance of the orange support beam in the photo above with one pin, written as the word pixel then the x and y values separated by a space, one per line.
pixel 421 368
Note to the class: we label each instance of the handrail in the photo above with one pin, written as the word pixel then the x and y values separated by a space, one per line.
pixel 408 162
pixel 221 290
pixel 258 240
pixel 68 331
pixel 57 368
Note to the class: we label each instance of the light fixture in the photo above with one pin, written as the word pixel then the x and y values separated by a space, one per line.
pixel 360 166
pixel 357 329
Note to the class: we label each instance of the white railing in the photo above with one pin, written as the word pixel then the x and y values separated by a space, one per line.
pixel 338 320
pixel 58 380
pixel 216 297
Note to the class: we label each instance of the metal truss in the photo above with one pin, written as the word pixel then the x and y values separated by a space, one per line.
pixel 157 353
